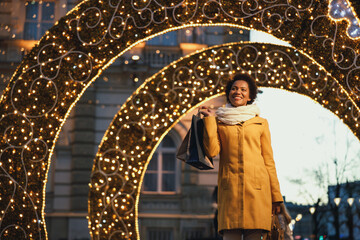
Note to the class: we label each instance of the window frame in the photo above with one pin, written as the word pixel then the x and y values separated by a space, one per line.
pixel 160 150
pixel 39 18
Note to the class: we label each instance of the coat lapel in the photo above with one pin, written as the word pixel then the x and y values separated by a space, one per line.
pixel 254 120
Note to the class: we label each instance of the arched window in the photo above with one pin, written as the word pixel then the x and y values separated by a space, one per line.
pixel 161 174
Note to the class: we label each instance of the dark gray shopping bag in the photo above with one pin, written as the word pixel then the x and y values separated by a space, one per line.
pixel 191 150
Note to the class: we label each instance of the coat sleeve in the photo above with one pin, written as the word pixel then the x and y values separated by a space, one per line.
pixel 211 138
pixel 267 153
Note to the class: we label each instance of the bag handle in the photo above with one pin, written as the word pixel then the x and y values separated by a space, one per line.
pixel 198 114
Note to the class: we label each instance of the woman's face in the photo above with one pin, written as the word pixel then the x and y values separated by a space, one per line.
pixel 239 94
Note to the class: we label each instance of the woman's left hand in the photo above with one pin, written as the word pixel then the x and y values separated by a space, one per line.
pixel 206 111
pixel 276 207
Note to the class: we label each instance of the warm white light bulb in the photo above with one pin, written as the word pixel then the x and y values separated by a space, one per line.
pixel 350 201
pixel 312 210
pixel 337 201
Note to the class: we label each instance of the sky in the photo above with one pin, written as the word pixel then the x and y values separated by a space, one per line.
pixel 305 136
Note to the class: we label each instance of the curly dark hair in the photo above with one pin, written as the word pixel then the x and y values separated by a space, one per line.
pixel 250 81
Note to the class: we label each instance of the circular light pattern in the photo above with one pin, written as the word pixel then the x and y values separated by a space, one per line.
pixel 163 99
pixel 72 54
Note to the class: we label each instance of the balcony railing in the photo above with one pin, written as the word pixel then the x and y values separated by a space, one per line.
pixel 160 56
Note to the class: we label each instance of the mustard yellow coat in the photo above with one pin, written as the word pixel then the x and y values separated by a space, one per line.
pixel 247 178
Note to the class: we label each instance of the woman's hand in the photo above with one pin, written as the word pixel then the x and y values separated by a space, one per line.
pixel 206 111
pixel 276 208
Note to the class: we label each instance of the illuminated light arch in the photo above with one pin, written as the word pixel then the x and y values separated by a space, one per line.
pixel 73 53
pixel 158 104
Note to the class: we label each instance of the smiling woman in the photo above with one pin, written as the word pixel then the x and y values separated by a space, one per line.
pixel 248 189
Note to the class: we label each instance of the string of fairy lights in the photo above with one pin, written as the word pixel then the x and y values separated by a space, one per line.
pixel 74 52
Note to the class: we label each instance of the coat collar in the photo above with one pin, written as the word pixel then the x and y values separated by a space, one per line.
pixel 254 120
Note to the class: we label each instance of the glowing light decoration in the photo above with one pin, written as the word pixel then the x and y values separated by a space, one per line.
pixel 341 9
pixel 74 52
pixel 159 103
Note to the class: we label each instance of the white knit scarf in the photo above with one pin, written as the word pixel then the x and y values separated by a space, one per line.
pixel 234 115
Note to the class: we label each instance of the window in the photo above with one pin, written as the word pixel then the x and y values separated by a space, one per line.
pixel 193 35
pixel 168 39
pixel 160 234
pixel 190 233
pixel 160 175
pixel 39 18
